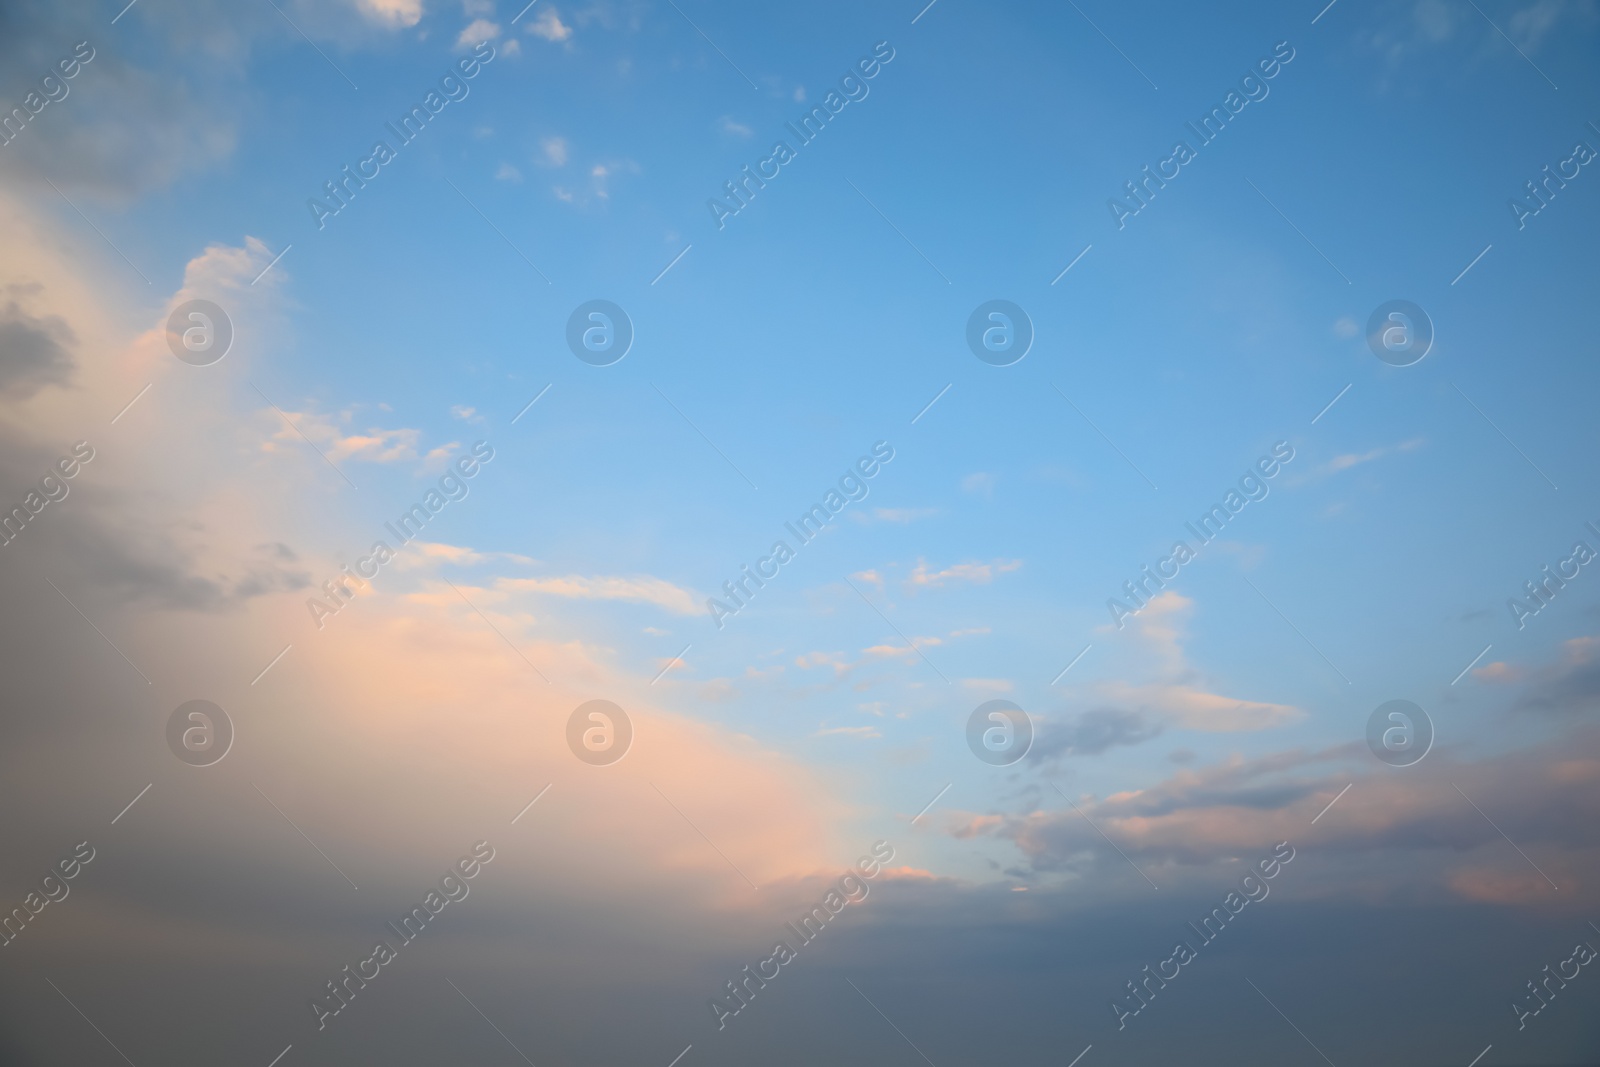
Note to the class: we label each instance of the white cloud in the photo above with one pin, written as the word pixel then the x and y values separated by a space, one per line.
pixel 979 573
pixel 640 590
pixel 1354 459
pixel 902 515
pixel 375 445
pixel 394 14
pixel 865 733
pixel 508 173
pixel 1174 694
pixel 477 32
pixel 978 483
pixel 438 459
pixel 418 554
pixel 555 151
pixel 549 26
pixel 737 129
pixel 869 576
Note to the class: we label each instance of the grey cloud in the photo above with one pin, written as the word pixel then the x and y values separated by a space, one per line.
pixel 34 352
pixel 143 567
pixel 1566 688
pixel 1094 732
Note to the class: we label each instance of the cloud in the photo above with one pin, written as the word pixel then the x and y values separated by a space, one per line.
pixel 392 14
pixel 1176 693
pixel 1196 709
pixel 1354 459
pixel 477 32
pixel 908 653
pixel 835 660
pixel 507 173
pixel 1498 671
pixel 639 590
pixel 549 26
pixel 898 515
pixel 978 483
pixel 977 573
pixel 375 445
pixel 864 733
pixel 1492 886
pixel 34 352
pixel 599 186
pixel 555 151
pixel 182 538
pixel 1199 817
pixel 1568 686
pixel 419 554
pixel 737 129
pixel 869 577
pixel 666 663
pixel 1094 732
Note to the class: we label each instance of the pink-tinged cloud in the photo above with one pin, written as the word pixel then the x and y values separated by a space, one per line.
pixel 641 589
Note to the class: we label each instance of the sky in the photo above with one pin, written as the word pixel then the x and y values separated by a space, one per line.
pixel 1196 382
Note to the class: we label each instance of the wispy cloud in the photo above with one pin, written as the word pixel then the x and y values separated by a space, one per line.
pixel 978 573
pixel 639 590
pixel 864 733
